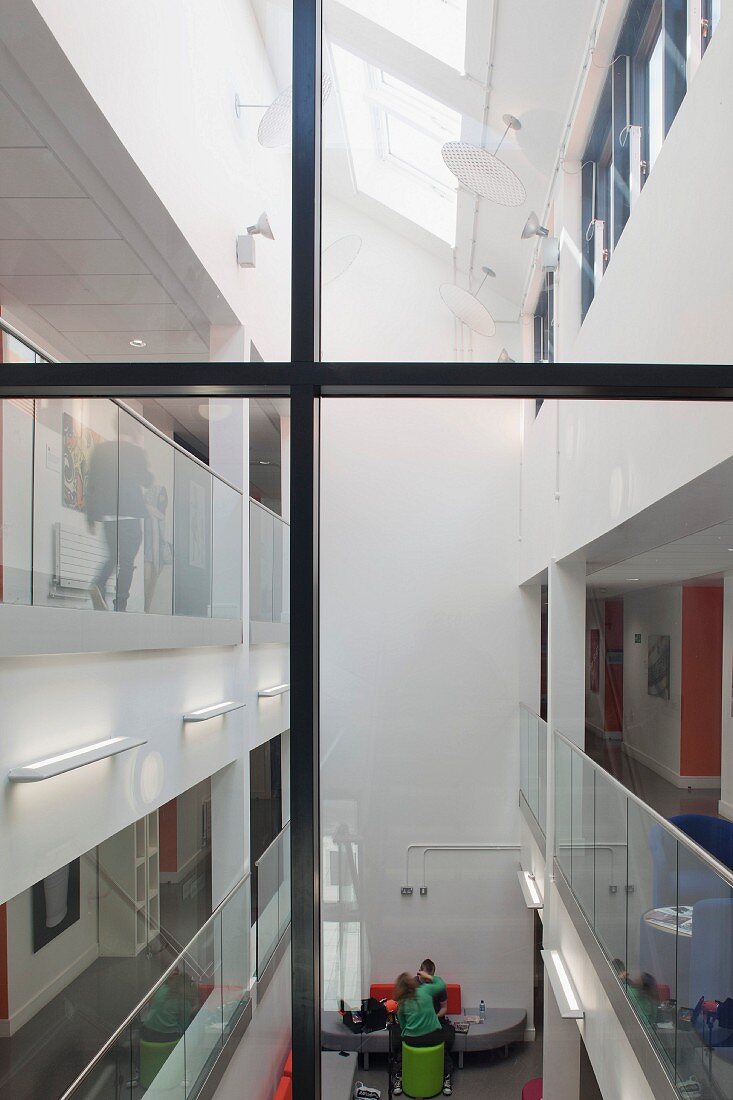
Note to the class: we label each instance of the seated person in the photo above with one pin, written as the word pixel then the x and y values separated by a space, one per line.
pixel 440 1003
pixel 171 1009
pixel 419 1024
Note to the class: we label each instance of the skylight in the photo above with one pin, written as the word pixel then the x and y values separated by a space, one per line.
pixel 438 27
pixel 395 134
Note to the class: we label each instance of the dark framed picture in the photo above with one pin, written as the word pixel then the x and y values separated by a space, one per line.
pixel 56 903
pixel 658 666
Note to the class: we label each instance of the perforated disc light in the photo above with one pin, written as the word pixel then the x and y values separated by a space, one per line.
pixel 484 173
pixel 467 308
pixel 339 257
pixel 276 124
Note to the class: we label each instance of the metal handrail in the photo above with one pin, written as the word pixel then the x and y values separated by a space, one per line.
pixel 702 854
pixel 272 843
pixel 153 989
pixel 23 339
pixel 172 443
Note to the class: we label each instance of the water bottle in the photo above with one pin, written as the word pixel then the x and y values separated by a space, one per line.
pixel 482 1011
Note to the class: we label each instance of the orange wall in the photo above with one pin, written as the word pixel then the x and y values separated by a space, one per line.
pixel 168 836
pixel 702 678
pixel 4 999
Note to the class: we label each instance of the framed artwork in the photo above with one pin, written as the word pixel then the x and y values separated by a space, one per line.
pixel 56 903
pixel 78 443
pixel 658 666
pixel 595 660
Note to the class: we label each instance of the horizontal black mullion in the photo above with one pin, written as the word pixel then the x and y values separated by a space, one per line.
pixel 576 380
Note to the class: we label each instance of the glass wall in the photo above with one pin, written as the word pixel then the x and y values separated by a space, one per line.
pixel 99 511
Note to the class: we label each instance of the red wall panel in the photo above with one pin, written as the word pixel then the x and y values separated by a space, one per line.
pixel 702 680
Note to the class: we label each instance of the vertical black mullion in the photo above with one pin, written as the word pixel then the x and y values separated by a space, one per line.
pixel 304 745
pixel 620 162
pixel 305 332
pixel 674 26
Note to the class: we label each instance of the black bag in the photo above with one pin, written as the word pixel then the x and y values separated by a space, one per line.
pixel 373 1017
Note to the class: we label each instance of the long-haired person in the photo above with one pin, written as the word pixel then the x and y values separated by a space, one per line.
pixel 419 1024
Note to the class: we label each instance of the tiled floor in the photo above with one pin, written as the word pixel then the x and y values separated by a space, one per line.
pixel 657 792
pixel 485 1074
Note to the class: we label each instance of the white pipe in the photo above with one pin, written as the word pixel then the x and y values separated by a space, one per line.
pixel 425 848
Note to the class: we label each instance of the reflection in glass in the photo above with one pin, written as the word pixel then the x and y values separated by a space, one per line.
pixel 16 493
pixel 191 539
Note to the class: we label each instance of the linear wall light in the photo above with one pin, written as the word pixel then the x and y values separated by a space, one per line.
pixel 205 713
pixel 75 758
pixel 532 896
pixel 562 987
pixel 267 693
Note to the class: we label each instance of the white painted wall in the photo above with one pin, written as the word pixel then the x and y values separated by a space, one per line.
pixel 669 281
pixel 419 674
pixel 215 178
pixel 652 727
pixel 387 305
pixel 615 460
pixel 35 978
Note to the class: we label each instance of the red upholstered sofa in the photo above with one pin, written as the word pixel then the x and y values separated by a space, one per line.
pixel 380 990
pixel 533 1090
pixel 288 1071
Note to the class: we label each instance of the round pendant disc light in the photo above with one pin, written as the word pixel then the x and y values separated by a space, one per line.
pixel 276 124
pixel 339 257
pixel 467 308
pixel 484 173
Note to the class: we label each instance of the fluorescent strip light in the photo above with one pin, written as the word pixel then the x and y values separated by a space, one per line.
pixel 532 896
pixel 205 713
pixel 75 758
pixel 267 693
pixel 562 987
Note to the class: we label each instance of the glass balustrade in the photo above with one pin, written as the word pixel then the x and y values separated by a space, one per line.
pixel 102 512
pixel 533 756
pixel 269 566
pixel 169 1043
pixel 661 909
pixel 273 897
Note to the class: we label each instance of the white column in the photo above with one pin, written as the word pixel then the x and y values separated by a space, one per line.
pixel 227 344
pixel 285 466
pixel 568 212
pixel 560 1052
pixel 725 805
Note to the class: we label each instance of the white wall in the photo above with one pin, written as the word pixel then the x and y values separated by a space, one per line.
pixel 666 292
pixel 387 305
pixel 652 727
pixel 215 178
pixel 419 681
pixel 35 978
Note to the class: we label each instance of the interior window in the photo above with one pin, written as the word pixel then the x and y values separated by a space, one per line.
pixel 655 99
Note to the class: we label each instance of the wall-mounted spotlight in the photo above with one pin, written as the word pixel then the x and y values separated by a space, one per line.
pixel 246 244
pixel 532 228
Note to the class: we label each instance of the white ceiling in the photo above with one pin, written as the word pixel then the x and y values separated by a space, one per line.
pixel 65 270
pixel 706 555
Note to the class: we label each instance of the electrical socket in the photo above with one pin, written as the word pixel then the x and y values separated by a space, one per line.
pixel 406 891
pixel 423 891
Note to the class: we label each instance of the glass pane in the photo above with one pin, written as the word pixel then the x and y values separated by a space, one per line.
pixel 226 600
pixel 268 898
pixel 533 779
pixel 14 350
pixel 16 494
pixel 236 969
pixel 704 975
pixel 542 774
pixel 563 805
pixel 159 1028
pixel 655 106
pixel 145 532
pixel 583 833
pixel 75 503
pixel 281 572
pixel 261 549
pixel 203 1007
pixel 524 751
pixel 652 925
pixel 285 898
pixel 610 870
pixel 116 1074
pixel 191 538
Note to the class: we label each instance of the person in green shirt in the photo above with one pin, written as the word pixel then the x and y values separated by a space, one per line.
pixel 419 1023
